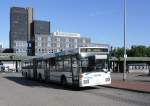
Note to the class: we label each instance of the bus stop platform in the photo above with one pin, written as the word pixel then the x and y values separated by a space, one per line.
pixel 131 86
pixel 135 82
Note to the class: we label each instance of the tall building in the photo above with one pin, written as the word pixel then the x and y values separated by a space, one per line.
pixel 30 20
pixel 41 27
pixel 40 36
pixel 20 20
pixel 33 37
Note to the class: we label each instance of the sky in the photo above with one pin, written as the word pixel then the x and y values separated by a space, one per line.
pixel 101 20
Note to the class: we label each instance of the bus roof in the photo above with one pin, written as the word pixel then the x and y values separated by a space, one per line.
pixel 82 51
pixel 90 50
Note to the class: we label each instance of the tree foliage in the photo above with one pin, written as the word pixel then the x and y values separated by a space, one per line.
pixel 8 50
pixel 134 51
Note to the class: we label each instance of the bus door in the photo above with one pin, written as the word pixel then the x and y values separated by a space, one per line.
pixel 46 70
pixel 75 70
pixel 28 69
pixel 34 69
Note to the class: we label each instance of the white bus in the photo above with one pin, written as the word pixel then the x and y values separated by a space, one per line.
pixel 80 67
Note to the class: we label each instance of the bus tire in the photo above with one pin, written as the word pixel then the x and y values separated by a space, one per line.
pixel 40 77
pixel 63 81
pixel 26 75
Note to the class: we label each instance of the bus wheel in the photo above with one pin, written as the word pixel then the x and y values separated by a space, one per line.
pixel 40 77
pixel 26 75
pixel 63 82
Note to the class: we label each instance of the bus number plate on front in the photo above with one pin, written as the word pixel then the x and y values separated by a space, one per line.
pixel 86 81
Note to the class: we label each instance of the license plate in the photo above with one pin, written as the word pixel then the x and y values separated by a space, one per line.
pixel 86 81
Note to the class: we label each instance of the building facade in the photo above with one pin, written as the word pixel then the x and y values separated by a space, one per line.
pixel 39 37
pixel 30 20
pixel 57 41
pixel 40 27
pixel 20 20
pixel 42 44
pixel 64 40
pixel 33 37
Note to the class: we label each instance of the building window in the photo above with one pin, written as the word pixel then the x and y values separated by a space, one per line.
pixel 39 38
pixel 49 44
pixel 75 40
pixel 39 44
pixel 49 38
pixel 67 40
pixel 58 44
pixel 16 44
pixel 67 45
pixel 29 45
pixel 75 46
pixel 58 39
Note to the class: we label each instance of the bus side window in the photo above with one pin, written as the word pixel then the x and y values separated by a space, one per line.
pixel 52 64
pixel 91 61
pixel 25 64
pixel 31 64
pixel 74 62
pixel 59 64
pixel 39 63
pixel 47 64
pixel 67 63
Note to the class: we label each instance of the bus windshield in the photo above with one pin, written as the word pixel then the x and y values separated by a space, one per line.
pixel 102 66
pixel 92 65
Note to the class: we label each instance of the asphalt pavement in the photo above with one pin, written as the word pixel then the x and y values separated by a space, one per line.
pixel 18 91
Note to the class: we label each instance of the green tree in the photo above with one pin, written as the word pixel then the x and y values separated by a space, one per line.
pixel 8 50
pixel 135 51
pixel 148 51
pixel 118 52
pixel 138 51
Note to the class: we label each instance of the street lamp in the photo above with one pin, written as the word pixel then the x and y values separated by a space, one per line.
pixel 125 55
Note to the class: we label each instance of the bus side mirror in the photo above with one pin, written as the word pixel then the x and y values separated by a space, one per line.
pixel 105 70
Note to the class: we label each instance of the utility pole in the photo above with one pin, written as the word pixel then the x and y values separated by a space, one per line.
pixel 125 55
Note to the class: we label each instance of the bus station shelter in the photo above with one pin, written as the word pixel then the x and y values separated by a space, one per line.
pixel 134 64
pixel 12 59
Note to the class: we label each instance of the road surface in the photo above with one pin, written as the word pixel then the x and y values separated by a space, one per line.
pixel 18 91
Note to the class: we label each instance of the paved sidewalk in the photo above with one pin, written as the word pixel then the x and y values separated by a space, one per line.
pixel 131 85
pixel 134 81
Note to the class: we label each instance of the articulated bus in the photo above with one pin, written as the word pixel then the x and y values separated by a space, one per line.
pixel 80 67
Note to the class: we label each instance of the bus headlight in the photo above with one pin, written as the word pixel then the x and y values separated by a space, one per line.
pixel 107 79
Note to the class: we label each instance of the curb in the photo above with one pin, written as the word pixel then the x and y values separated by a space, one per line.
pixel 134 90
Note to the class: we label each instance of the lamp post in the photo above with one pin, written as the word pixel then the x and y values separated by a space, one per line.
pixel 125 55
